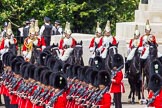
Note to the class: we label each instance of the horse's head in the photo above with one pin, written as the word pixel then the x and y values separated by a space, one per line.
pixel 78 52
pixel 153 50
pixel 54 50
pixel 113 49
pixel 98 63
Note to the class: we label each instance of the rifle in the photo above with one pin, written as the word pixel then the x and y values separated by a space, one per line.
pixel 37 101
pixel 116 71
pixel 54 98
pixel 101 95
pixel 150 101
pixel 36 93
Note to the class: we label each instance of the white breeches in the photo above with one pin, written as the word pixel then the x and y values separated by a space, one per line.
pixel 66 54
pixel 131 54
pixel 27 55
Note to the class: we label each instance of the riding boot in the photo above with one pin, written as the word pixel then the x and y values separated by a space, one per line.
pixel 127 66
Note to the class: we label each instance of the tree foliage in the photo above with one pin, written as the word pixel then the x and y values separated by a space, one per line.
pixel 82 14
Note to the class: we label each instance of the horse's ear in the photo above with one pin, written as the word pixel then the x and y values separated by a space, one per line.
pixel 117 44
pixel 57 44
pixel 81 42
pixel 110 44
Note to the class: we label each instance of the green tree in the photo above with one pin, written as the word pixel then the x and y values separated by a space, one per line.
pixel 82 14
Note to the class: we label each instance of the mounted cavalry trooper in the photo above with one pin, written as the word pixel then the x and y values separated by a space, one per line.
pixel 155 85
pixel 8 40
pixel 29 42
pixel 146 39
pixel 133 45
pixel 67 43
pixel 107 40
pixel 96 42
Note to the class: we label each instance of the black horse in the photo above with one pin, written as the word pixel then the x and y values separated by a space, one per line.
pixel 112 49
pixel 13 48
pixel 146 64
pixel 134 78
pixel 76 55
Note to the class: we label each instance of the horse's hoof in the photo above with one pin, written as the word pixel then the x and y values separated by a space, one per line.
pixel 132 102
pixel 129 100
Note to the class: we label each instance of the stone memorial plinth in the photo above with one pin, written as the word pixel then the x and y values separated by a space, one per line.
pixel 151 11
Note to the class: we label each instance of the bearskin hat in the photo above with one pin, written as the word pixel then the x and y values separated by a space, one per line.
pixel 88 72
pixel 155 82
pixel 4 57
pixel 83 74
pixel 13 64
pixel 46 77
pixel 17 67
pixel 60 81
pixel 51 79
pixel 103 78
pixel 156 67
pixel 65 67
pixel 69 72
pixel 75 71
pixel 31 69
pixel 23 67
pixel 92 77
pixel 38 71
pixel 47 59
pixel 117 60
pixel 51 63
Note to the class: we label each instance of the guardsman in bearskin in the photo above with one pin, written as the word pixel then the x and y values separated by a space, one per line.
pixel 107 40
pixel 46 30
pixel 58 100
pixel 41 38
pixel 155 85
pixel 29 42
pixel 146 39
pixel 96 42
pixel 117 86
pixel 67 43
pixel 103 100
pixel 8 40
pixel 133 45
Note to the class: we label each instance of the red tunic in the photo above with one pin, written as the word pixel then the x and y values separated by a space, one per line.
pixel 61 101
pixel 142 40
pixel 158 100
pixel 62 43
pixel 92 43
pixel 2 46
pixel 117 86
pixel 105 101
pixel 25 48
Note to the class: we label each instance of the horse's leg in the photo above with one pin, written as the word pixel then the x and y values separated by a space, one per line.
pixel 130 94
pixel 143 80
pixel 133 98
